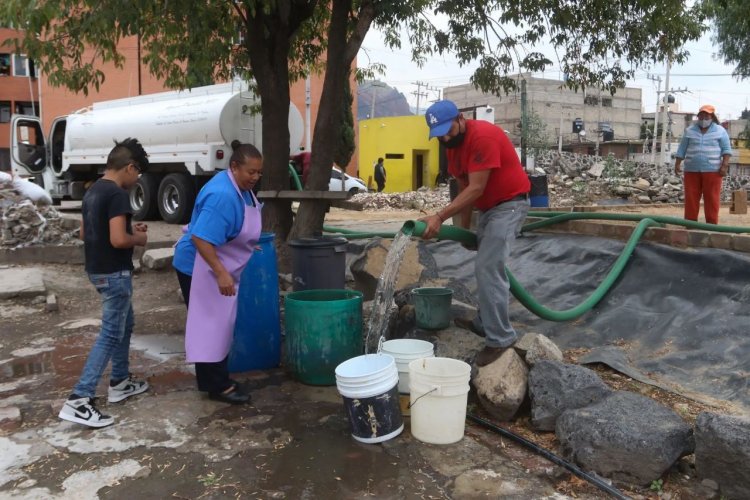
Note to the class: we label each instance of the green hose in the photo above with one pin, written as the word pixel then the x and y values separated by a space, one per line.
pixel 295 177
pixel 469 239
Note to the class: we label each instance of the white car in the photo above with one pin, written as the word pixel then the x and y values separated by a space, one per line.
pixel 348 183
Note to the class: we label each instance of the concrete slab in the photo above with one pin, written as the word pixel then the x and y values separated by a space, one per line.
pixel 21 283
pixel 158 258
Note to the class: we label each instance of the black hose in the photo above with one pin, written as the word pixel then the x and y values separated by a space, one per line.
pixel 549 456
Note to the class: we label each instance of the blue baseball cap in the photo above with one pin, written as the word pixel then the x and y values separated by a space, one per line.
pixel 440 116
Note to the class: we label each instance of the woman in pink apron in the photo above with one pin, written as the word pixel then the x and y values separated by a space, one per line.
pixel 224 230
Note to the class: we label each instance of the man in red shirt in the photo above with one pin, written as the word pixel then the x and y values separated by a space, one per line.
pixel 490 178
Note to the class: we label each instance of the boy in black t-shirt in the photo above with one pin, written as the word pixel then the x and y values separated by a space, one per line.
pixel 109 237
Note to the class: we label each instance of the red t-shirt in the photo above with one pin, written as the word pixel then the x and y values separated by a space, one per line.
pixel 486 147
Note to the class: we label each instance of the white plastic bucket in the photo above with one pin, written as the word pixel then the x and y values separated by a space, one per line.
pixel 404 351
pixel 369 387
pixel 439 389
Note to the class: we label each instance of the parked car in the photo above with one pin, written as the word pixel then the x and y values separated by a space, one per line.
pixel 348 183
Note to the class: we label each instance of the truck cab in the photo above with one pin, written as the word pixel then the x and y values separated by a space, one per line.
pixel 186 134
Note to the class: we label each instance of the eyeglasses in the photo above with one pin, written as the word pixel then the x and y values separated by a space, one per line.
pixel 137 167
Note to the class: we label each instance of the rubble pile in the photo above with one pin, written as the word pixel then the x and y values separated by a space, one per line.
pixel 22 223
pixel 424 199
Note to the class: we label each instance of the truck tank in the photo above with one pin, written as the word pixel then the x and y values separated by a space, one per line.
pixel 172 126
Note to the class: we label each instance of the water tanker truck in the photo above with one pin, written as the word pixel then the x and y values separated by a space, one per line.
pixel 187 135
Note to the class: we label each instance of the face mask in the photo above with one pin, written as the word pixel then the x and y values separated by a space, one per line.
pixel 705 123
pixel 454 142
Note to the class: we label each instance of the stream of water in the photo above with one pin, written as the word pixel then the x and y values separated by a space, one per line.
pixel 377 324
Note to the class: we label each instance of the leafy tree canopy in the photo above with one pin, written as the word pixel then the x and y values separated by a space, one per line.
pixel 731 22
pixel 598 43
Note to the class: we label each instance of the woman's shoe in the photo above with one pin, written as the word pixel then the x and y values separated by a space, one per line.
pixel 233 397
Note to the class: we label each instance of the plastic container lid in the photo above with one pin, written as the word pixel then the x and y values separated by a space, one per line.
pixel 318 242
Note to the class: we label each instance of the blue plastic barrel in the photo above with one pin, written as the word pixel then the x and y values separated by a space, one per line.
pixel 538 196
pixel 257 332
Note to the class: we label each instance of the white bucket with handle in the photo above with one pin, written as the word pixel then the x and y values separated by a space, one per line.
pixel 404 351
pixel 439 390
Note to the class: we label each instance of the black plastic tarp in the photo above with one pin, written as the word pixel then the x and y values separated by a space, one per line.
pixel 676 318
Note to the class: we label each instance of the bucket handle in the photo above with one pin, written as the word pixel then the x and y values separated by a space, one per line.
pixel 434 388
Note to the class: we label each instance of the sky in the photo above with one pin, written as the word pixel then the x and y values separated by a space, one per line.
pixel 704 78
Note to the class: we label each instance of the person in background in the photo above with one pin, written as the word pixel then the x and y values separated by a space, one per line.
pixel 209 259
pixel 380 175
pixel 490 177
pixel 706 151
pixel 302 161
pixel 108 240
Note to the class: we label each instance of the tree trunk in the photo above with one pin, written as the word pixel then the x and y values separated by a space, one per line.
pixel 339 56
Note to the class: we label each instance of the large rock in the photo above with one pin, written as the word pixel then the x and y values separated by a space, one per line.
pixel 555 387
pixel 542 348
pixel 20 282
pixel 501 385
pixel 722 452
pixel 158 258
pixel 625 437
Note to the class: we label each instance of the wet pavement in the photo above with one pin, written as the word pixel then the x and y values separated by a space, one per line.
pixel 293 441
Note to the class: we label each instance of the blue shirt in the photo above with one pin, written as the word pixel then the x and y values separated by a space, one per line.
pixel 217 217
pixel 702 152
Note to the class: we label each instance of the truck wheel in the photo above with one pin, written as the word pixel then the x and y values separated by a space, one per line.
pixel 143 197
pixel 176 198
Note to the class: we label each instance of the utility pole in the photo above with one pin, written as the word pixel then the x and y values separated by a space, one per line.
pixel 524 124
pixel 419 92
pixel 665 100
pixel 656 117
pixel 374 95
pixel 598 124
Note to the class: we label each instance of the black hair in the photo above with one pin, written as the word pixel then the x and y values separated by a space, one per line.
pixel 126 152
pixel 242 152
pixel 380 160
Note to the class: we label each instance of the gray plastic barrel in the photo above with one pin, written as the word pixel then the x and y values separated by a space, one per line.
pixel 318 263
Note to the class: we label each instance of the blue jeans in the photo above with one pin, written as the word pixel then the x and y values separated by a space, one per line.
pixel 113 342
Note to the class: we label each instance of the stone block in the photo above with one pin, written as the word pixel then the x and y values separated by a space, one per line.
pixel 542 348
pixel 18 282
pixel 555 387
pixel 699 238
pixel 501 385
pixel 10 418
pixel 721 240
pixel 741 243
pixel 158 258
pixel 51 303
pixel 722 452
pixel 625 437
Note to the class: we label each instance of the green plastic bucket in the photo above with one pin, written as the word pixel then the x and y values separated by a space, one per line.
pixel 432 307
pixel 323 329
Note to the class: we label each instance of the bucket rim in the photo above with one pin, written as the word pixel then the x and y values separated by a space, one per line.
pixel 396 342
pixel 385 361
pixel 465 368
pixel 338 295
pixel 432 291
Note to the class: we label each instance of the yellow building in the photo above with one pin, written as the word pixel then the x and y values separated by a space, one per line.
pixel 411 160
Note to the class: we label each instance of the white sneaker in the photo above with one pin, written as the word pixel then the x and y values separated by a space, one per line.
pixel 83 411
pixel 126 388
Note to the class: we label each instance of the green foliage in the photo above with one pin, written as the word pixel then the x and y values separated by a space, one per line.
pixel 535 134
pixel 344 148
pixel 614 170
pixel 745 135
pixel 731 24
pixel 656 485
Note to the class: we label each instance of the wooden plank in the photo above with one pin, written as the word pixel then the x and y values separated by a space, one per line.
pixel 348 205
pixel 305 195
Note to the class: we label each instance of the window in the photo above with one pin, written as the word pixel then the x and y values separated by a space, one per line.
pixel 394 156
pixel 4 64
pixel 591 100
pixel 22 66
pixel 4 111
pixel 26 108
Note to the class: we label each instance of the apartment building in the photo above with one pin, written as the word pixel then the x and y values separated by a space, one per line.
pixel 19 90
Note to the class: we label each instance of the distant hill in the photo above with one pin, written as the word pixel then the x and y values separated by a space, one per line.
pixel 388 100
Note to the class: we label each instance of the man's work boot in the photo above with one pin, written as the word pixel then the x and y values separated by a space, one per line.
pixel 468 324
pixel 488 355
